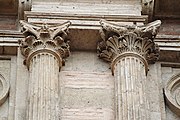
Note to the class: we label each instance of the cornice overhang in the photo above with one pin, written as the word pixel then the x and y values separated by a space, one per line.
pixel 82 21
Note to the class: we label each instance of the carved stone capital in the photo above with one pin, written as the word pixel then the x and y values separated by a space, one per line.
pixel 44 39
pixel 118 40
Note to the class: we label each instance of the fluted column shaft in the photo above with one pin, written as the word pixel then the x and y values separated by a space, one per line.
pixel 130 86
pixel 45 49
pixel 129 49
pixel 43 88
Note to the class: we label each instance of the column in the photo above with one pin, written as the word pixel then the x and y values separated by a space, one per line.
pixel 130 50
pixel 44 49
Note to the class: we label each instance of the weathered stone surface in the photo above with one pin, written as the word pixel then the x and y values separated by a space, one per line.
pixel 117 40
pixel 170 74
pixel 44 39
pixel 44 49
pixel 87 90
pixel 107 7
pixel 129 48
pixel 170 115
pixel 22 78
pixel 155 92
pixel 12 92
pixel 172 95
pixel 86 83
pixel 73 82
pixel 4 88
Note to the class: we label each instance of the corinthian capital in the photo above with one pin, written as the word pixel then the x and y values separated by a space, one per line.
pixel 44 39
pixel 117 40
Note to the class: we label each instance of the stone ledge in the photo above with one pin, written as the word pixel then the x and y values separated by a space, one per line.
pixel 86 21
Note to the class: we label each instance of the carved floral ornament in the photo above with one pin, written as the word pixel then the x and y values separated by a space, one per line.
pixel 39 39
pixel 172 94
pixel 135 40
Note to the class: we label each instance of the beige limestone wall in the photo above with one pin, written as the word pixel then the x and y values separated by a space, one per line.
pixel 21 89
pixel 87 89
pixel 5 72
pixel 12 91
pixel 88 7
pixel 8 73
pixel 155 92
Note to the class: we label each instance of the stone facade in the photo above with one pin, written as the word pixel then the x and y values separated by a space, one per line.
pixel 89 60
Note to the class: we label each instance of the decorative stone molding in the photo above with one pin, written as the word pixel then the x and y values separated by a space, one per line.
pixel 117 40
pixel 172 94
pixel 43 38
pixel 5 89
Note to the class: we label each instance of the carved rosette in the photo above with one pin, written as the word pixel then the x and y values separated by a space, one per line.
pixel 134 40
pixel 39 39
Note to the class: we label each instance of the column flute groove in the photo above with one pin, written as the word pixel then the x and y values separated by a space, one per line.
pixel 129 49
pixel 45 49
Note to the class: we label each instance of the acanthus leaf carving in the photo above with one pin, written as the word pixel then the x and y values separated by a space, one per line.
pixel 119 39
pixel 45 38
